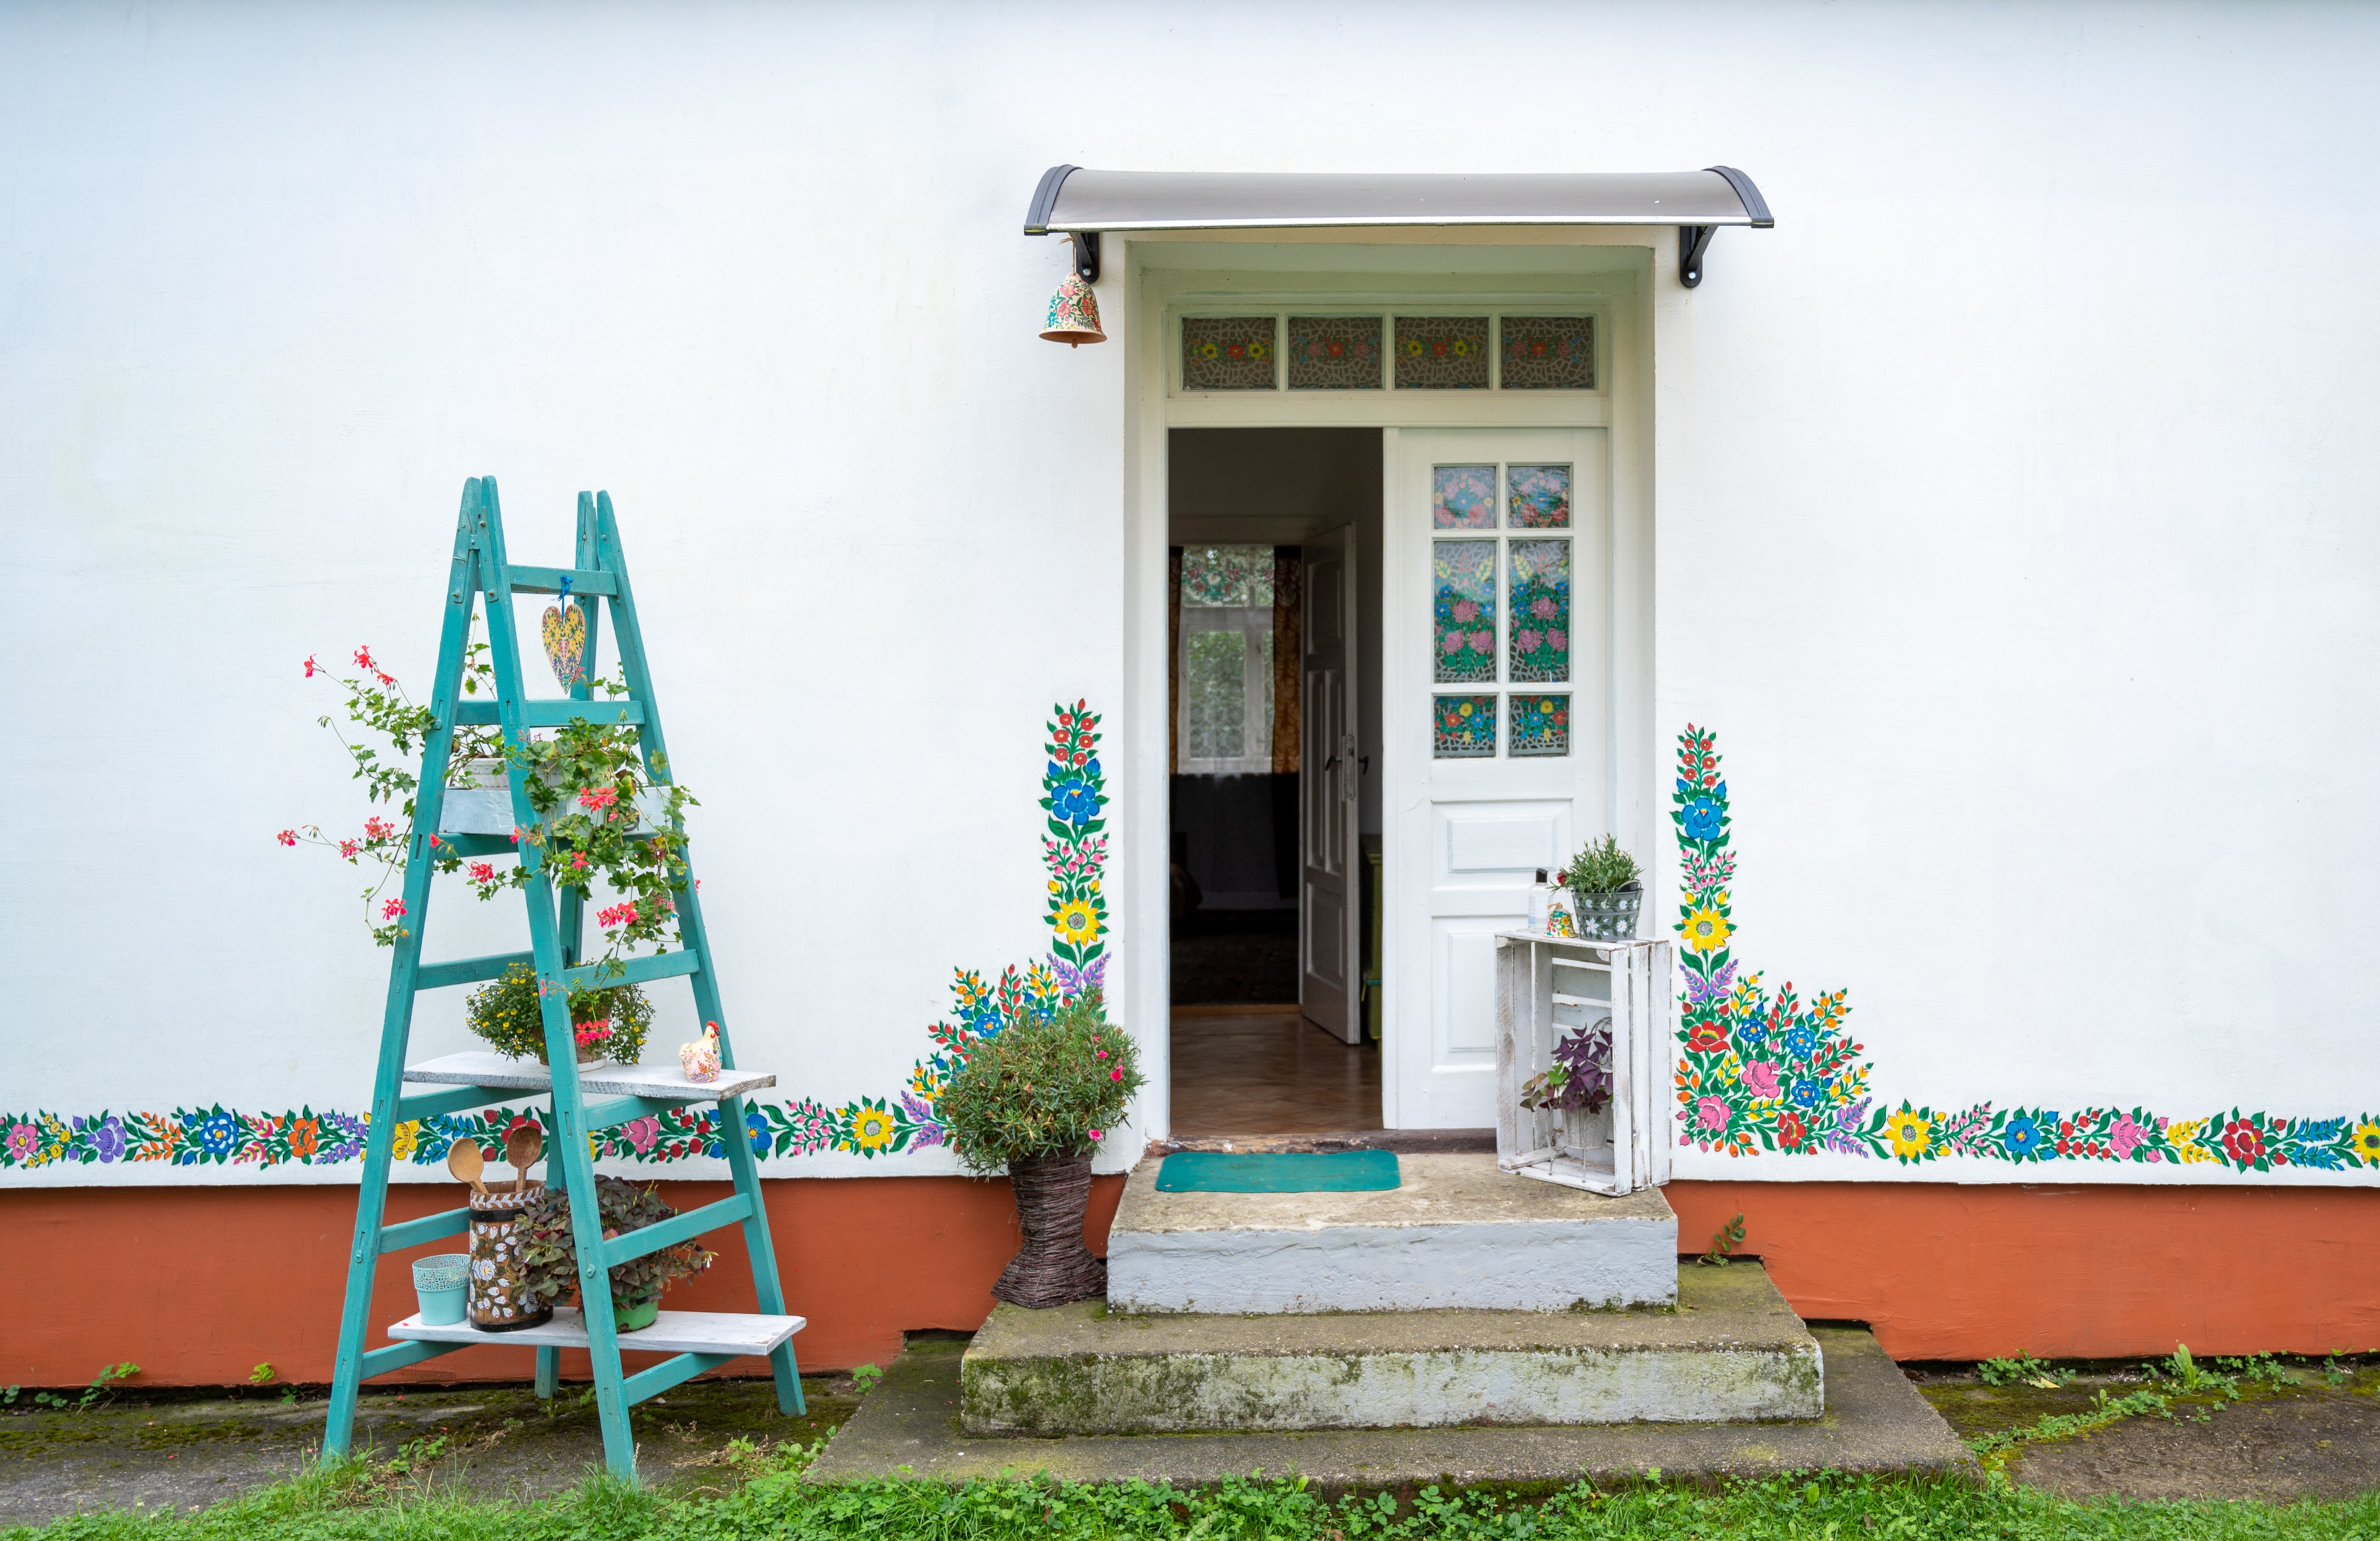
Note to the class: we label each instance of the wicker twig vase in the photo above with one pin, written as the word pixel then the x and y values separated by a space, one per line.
pixel 1054 1267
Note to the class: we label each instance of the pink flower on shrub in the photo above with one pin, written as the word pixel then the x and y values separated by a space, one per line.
pixel 482 872
pixel 391 909
pixel 348 849
pixel 598 797
pixel 1095 1134
pixel 287 836
pixel 1712 1114
pixel 310 665
pixel 642 1132
pixel 1760 1079
pixel 1115 1075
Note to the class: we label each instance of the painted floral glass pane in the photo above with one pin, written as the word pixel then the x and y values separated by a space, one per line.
pixel 1549 353
pixel 1463 727
pixel 1215 682
pixel 1226 575
pixel 1463 497
pixel 1334 353
pixel 1540 611
pixel 1227 353
pixel 1465 610
pixel 1539 496
pixel 1442 353
pixel 1540 725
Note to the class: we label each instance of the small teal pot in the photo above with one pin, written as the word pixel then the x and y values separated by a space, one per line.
pixel 440 1284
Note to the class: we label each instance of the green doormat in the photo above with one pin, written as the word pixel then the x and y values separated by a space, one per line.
pixel 1354 1171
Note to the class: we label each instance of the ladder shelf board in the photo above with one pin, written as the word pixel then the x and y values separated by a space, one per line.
pixel 487 1068
pixel 672 1332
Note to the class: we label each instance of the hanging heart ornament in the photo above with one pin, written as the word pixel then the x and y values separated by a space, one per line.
pixel 565 632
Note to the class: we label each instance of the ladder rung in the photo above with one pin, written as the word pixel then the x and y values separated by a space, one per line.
pixel 429 1227
pixel 669 1373
pixel 551 714
pixel 636 971
pixel 529 580
pixel 620 1110
pixel 474 845
pixel 397 1356
pixel 470 971
pixel 677 1229
pixel 428 1104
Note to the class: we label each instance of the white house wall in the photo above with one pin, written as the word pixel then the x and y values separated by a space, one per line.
pixel 2013 506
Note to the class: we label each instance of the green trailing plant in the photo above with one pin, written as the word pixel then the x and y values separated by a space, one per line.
pixel 1601 867
pixel 1725 1240
pixel 549 1252
pixel 610 1022
pixel 1048 1086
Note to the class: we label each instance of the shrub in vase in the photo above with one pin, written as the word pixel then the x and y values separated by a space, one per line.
pixel 1038 1098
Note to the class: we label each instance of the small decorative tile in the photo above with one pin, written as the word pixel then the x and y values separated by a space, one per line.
pixel 1540 591
pixel 1464 608
pixel 1463 497
pixel 1442 353
pixel 1463 727
pixel 1538 497
pixel 1227 353
pixel 1540 725
pixel 1549 353
pixel 1334 353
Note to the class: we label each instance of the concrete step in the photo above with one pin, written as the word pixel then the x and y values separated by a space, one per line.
pixel 1730 1350
pixel 1457 1234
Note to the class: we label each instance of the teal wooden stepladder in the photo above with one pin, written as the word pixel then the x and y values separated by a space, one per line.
pixel 696 1341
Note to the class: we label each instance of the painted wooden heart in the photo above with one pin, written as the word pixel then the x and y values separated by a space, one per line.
pixel 565 630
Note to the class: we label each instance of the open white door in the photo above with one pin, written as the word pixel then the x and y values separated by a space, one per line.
pixel 1496 712
pixel 1327 788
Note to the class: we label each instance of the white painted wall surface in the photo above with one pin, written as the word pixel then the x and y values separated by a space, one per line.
pixel 2014 496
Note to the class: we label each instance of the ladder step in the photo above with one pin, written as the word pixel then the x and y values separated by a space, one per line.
pixel 429 1227
pixel 397 1356
pixel 677 1229
pixel 669 1373
pixel 529 580
pixel 551 714
pixel 732 1333
pixel 469 971
pixel 666 1084
pixel 428 1104
pixel 636 971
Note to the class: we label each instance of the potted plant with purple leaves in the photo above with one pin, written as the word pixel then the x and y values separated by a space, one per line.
pixel 1038 1098
pixel 1579 1079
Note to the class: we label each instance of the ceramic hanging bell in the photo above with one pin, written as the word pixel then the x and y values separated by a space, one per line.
pixel 1074 313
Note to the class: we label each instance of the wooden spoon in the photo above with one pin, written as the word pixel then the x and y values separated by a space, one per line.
pixel 464 1160
pixel 522 1148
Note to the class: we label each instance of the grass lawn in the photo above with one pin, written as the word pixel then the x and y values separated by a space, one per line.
pixel 384 1501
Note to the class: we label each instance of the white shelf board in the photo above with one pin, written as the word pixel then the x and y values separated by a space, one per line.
pixel 672 1332
pixel 487 1068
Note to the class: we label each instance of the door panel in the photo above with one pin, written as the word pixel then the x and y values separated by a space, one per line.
pixel 1327 788
pixel 1496 716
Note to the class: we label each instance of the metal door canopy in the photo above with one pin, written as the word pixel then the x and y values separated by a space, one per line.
pixel 1073 199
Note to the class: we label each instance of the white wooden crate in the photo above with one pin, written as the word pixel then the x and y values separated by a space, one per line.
pixel 1549 986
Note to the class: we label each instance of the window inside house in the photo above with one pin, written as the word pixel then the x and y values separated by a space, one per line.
pixel 1226 663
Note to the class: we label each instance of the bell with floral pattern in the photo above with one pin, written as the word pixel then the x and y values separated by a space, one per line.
pixel 1074 314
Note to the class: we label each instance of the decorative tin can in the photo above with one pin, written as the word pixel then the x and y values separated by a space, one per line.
pixel 1608 917
pixel 497 1302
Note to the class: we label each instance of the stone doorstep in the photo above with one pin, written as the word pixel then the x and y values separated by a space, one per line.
pixel 1874 1421
pixel 1457 1234
pixel 1731 1351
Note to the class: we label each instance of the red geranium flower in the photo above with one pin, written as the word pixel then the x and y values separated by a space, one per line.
pixel 2244 1144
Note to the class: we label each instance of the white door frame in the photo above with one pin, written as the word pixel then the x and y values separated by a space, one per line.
pixel 1613 271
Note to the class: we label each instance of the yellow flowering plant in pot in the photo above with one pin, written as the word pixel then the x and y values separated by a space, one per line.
pixel 607 1024
pixel 1038 1098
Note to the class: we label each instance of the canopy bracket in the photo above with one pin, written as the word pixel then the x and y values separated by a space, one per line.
pixel 1692 240
pixel 1086 255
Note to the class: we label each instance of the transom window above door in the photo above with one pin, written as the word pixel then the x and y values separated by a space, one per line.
pixel 1501 610
pixel 1387 351
pixel 1226 660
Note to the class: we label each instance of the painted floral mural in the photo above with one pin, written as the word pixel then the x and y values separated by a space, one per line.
pixel 1763 1072
pixel 1074 849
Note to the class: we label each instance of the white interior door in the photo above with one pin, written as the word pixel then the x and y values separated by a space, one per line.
pixel 1496 713
pixel 1326 788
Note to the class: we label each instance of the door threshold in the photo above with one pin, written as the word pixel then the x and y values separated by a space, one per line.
pixel 1406 1141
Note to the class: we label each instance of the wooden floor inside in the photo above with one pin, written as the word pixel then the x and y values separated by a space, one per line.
pixel 1266 1069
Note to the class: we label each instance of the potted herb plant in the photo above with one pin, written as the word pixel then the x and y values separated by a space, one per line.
pixel 607 1023
pixel 548 1253
pixel 1038 1098
pixel 1604 881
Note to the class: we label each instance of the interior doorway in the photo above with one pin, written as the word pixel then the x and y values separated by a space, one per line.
pixel 1274 630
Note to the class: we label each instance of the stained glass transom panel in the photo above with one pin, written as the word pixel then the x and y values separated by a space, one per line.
pixel 1463 727
pixel 1463 497
pixel 1334 353
pixel 1465 610
pixel 1227 575
pixel 1438 353
pixel 1540 725
pixel 1227 353
pixel 1540 571
pixel 1539 496
pixel 1549 353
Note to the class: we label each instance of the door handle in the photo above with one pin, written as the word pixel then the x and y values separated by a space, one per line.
pixel 1328 763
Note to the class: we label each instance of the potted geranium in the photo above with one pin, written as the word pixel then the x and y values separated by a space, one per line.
pixel 1606 886
pixel 1038 1098
pixel 607 1023
pixel 549 1252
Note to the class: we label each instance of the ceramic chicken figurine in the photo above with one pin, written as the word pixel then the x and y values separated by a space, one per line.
pixel 701 1058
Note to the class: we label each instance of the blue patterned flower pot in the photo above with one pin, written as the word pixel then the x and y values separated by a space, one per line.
pixel 440 1284
pixel 1607 917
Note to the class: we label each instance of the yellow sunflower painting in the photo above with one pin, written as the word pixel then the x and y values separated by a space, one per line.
pixel 1910 1135
pixel 872 1128
pixel 1077 923
pixel 2367 1143
pixel 1706 930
